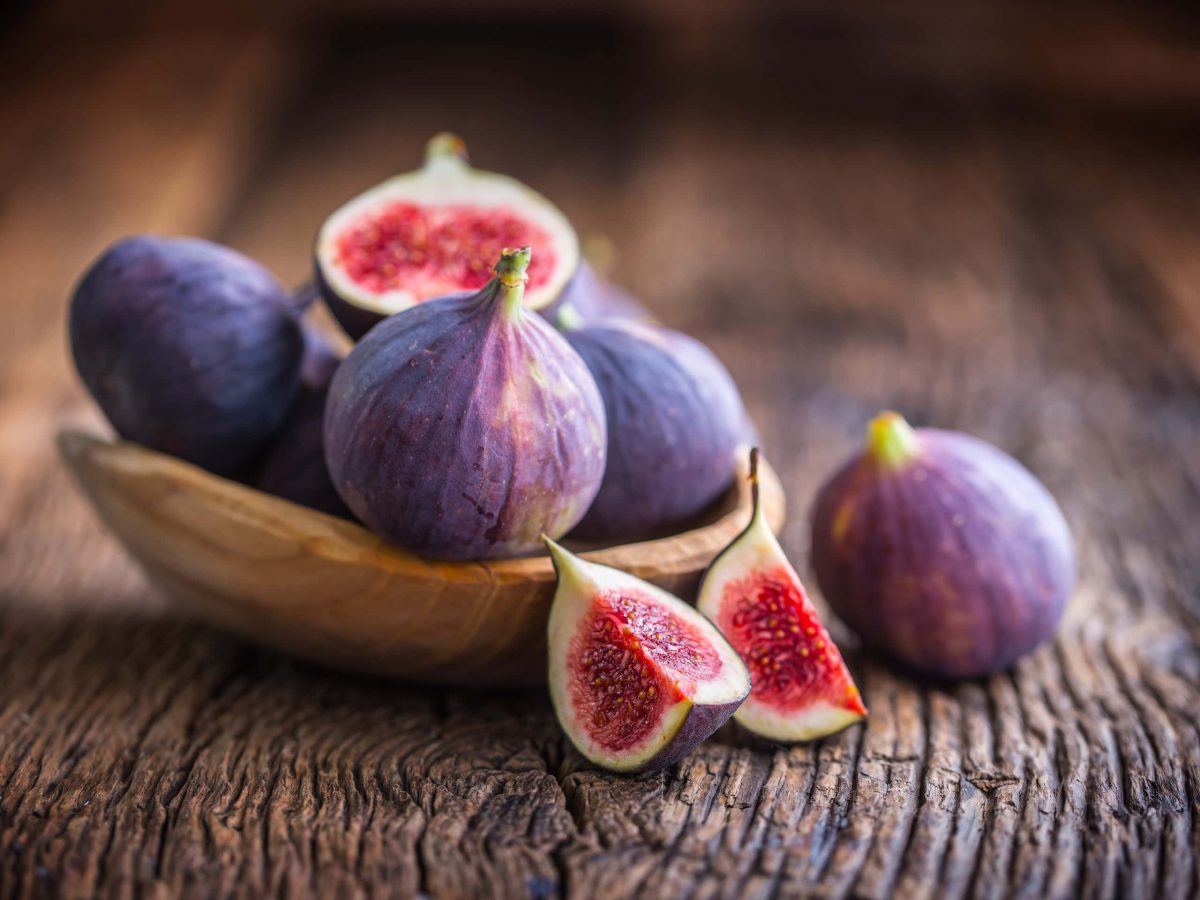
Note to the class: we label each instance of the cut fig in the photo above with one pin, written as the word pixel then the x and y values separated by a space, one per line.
pixel 638 677
pixel 802 688
pixel 434 232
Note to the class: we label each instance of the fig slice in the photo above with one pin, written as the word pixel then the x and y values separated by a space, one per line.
pixel 437 231
pixel 802 688
pixel 638 677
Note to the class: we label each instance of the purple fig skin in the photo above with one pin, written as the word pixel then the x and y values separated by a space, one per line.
pixel 320 359
pixel 701 723
pixel 950 556
pixel 188 347
pixel 294 466
pixel 675 422
pixel 463 428
pixel 595 298
pixel 355 320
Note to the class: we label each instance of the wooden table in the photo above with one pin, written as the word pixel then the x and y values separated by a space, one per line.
pixel 997 230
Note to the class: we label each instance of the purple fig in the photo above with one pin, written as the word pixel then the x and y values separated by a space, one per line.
pixel 675 422
pixel 188 347
pixel 465 428
pixel 638 677
pixel 434 232
pixel 590 298
pixel 294 466
pixel 942 551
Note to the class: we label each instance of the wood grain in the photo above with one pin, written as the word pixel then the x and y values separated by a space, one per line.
pixel 983 229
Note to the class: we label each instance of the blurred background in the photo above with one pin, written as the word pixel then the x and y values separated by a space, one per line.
pixel 857 204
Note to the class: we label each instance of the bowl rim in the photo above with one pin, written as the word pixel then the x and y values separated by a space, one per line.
pixel 91 457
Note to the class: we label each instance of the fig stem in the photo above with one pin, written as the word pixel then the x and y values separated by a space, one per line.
pixel 568 318
pixel 891 441
pixel 757 516
pixel 510 271
pixel 445 147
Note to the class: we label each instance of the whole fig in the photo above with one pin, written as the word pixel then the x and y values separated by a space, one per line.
pixel 942 551
pixel 589 297
pixel 675 422
pixel 188 347
pixel 294 464
pixel 465 428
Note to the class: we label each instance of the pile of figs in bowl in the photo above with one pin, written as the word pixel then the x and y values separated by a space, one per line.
pixel 515 473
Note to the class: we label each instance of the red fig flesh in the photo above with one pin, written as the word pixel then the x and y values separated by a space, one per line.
pixel 437 231
pixel 802 688
pixel 638 677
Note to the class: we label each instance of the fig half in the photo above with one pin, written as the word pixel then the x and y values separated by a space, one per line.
pixel 638 677
pixel 941 550
pixel 466 428
pixel 802 688
pixel 437 231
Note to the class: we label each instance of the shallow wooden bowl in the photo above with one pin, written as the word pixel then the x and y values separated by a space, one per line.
pixel 328 590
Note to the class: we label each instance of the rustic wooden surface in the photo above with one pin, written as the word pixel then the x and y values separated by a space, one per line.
pixel 988 220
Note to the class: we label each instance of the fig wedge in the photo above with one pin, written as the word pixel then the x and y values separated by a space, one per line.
pixel 802 688
pixel 638 677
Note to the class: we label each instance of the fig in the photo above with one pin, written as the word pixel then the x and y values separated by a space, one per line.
pixel 466 428
pixel 434 232
pixel 294 466
pixel 638 678
pixel 188 347
pixel 941 551
pixel 590 297
pixel 802 688
pixel 675 422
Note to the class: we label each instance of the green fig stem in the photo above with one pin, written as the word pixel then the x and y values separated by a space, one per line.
pixel 758 518
pixel 891 441
pixel 568 318
pixel 510 272
pixel 445 148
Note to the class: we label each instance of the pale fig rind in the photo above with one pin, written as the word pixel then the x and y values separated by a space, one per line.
pixel 802 690
pixel 448 182
pixel 188 347
pixel 942 551
pixel 675 423
pixel 688 700
pixel 465 428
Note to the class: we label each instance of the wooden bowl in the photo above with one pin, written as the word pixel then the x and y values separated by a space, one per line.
pixel 330 591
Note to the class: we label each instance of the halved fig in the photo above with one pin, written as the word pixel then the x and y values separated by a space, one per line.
pixel 638 677
pixel 437 231
pixel 802 688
